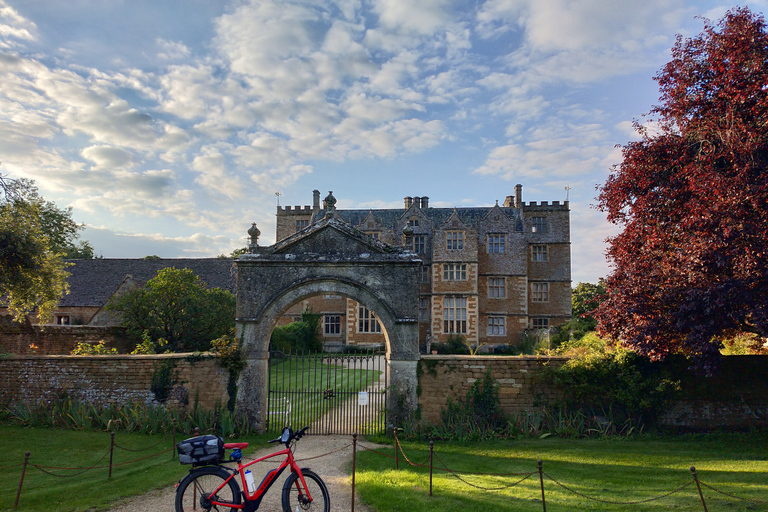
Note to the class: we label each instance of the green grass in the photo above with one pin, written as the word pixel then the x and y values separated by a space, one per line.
pixel 92 490
pixel 619 470
pixel 305 380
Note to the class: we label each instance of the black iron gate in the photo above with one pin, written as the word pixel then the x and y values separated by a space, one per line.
pixel 331 393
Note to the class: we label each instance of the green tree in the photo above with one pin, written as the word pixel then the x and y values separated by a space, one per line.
pixel 176 306
pixel 585 297
pixel 34 236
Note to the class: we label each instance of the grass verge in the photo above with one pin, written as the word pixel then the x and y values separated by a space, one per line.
pixel 611 470
pixel 149 466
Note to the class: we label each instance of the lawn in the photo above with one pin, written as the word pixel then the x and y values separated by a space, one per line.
pixel 315 385
pixel 611 470
pixel 148 466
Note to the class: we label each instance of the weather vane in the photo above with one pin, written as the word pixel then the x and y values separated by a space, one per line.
pixel 567 193
pixel 278 198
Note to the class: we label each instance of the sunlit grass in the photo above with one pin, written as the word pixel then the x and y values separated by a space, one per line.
pixel 611 470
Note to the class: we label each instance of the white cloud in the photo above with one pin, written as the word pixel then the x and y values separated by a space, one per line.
pixel 171 50
pixel 14 26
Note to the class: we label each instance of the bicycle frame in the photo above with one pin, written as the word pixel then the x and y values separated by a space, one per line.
pixel 266 483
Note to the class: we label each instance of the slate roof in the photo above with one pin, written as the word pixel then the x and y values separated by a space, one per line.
pixel 92 282
pixel 390 217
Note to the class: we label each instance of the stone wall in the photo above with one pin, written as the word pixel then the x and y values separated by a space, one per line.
pixel 110 379
pixel 736 398
pixel 442 377
pixel 57 340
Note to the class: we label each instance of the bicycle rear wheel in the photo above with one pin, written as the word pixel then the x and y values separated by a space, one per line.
pixel 295 497
pixel 196 490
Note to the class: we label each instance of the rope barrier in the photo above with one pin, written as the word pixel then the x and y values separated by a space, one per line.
pixel 617 502
pixel 731 495
pixel 45 469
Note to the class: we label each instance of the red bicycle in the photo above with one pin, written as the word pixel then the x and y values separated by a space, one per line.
pixel 212 486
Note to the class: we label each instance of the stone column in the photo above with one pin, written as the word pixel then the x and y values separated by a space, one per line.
pixel 252 386
pixel 402 363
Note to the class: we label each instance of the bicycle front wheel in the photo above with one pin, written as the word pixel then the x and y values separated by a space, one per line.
pixel 198 489
pixel 295 497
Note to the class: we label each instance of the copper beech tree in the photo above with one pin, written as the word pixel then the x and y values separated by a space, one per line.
pixel 691 196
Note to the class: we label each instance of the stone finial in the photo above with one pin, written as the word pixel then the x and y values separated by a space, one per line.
pixel 330 204
pixel 253 233
pixel 408 230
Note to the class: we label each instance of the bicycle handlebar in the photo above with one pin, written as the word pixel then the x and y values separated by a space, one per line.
pixel 295 436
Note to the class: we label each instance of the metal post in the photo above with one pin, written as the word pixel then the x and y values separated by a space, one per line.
pixel 698 486
pixel 397 447
pixel 541 479
pixel 21 480
pixel 111 452
pixel 354 463
pixel 173 449
pixel 431 452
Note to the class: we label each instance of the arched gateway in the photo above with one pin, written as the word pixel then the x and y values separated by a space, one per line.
pixel 328 257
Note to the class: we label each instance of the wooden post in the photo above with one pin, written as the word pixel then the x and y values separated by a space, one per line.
pixel 541 479
pixel 111 452
pixel 21 480
pixel 431 453
pixel 698 486
pixel 354 468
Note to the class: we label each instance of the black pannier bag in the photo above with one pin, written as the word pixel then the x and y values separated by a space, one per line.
pixel 201 450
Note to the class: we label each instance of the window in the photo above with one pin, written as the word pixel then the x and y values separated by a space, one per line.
pixel 496 288
pixel 495 244
pixel 540 292
pixel 424 273
pixel 455 315
pixel 538 224
pixel 539 253
pixel 301 224
pixel 414 223
pixel 454 240
pixel 62 320
pixel 423 309
pixel 454 271
pixel 367 321
pixel 374 234
pixel 497 326
pixel 419 243
pixel 541 323
pixel 332 324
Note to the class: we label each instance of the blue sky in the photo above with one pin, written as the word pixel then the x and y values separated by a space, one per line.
pixel 169 126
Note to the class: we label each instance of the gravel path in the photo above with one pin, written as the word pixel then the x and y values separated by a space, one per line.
pixel 334 469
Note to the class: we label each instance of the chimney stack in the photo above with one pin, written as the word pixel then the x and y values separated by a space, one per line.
pixel 408 202
pixel 424 202
pixel 315 201
pixel 518 196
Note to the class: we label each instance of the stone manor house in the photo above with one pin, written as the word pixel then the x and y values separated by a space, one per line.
pixel 488 273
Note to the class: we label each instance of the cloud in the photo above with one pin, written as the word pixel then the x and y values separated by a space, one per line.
pixel 14 26
pixel 108 157
pixel 171 50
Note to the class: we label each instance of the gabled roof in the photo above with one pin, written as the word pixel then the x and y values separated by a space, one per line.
pixel 92 282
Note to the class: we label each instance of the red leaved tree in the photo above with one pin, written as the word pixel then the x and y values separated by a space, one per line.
pixel 691 262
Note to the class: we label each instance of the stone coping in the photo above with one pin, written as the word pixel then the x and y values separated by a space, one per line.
pixel 148 357
pixel 483 357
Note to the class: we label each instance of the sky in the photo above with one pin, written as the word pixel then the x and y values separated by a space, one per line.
pixel 170 126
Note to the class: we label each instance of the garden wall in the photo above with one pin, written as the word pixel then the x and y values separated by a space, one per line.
pixel 23 339
pixel 442 377
pixel 735 398
pixel 111 379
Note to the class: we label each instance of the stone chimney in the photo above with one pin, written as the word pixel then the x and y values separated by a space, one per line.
pixel 315 201
pixel 509 202
pixel 518 196
pixel 408 202
pixel 424 202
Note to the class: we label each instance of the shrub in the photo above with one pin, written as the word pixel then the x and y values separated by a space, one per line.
pixel 301 336
pixel 89 349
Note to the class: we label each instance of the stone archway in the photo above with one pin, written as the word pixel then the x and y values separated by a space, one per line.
pixel 329 257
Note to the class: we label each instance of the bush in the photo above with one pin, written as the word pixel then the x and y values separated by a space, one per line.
pixel 455 344
pixel 619 385
pixel 301 336
pixel 89 349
